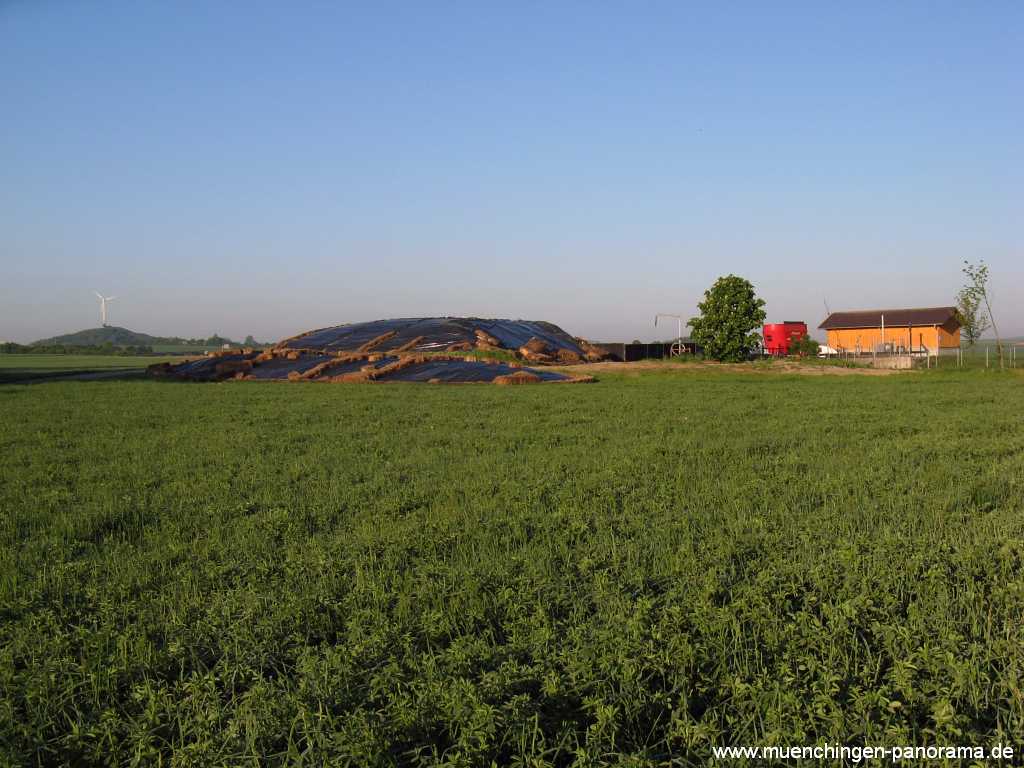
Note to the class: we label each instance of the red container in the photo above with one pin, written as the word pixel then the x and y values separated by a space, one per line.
pixel 778 336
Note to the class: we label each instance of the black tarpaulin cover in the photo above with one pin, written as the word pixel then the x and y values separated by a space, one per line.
pixel 434 333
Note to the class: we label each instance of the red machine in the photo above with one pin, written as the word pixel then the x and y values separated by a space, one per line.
pixel 778 336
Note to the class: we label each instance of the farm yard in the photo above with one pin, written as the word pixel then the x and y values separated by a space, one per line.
pixel 632 572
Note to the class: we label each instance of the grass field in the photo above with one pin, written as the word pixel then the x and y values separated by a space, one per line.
pixel 628 572
pixel 31 367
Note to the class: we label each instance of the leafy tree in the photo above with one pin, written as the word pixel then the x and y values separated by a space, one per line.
pixel 977 287
pixel 729 317
pixel 973 320
pixel 805 346
pixel 250 341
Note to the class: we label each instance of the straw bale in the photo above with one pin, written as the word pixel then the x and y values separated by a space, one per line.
pixel 316 370
pixel 591 352
pixel 409 345
pixel 350 377
pixel 402 362
pixel 534 357
pixel 483 337
pixel 377 341
pixel 519 377
pixel 231 367
pixel 535 345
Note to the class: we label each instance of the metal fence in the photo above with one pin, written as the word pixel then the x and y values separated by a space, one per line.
pixel 983 355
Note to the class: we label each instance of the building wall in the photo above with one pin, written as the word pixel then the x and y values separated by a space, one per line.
pixel 866 339
pixel 947 339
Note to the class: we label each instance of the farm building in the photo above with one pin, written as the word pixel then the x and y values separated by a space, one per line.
pixel 915 331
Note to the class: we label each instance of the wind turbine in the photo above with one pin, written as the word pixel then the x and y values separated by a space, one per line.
pixel 103 306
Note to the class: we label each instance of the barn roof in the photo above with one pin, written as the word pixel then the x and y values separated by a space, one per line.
pixel 872 318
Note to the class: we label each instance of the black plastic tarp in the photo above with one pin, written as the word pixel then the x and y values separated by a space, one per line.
pixel 437 333
pixel 453 371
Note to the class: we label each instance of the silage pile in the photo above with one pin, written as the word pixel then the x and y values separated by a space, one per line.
pixel 431 349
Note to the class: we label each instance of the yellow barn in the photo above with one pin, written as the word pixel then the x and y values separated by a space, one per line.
pixel 921 331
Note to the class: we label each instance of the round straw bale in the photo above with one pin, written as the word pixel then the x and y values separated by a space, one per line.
pixel 486 338
pixel 535 345
pixel 534 357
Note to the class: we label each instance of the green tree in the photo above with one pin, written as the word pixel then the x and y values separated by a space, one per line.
pixel 973 320
pixel 249 341
pixel 805 346
pixel 729 317
pixel 977 285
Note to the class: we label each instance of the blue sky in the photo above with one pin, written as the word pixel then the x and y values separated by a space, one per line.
pixel 269 167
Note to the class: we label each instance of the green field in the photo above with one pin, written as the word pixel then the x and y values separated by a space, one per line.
pixel 22 367
pixel 623 573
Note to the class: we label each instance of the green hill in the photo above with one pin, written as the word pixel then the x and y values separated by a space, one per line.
pixel 122 337
pixel 119 337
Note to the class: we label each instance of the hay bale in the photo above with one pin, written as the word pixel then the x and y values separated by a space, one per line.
pixel 316 370
pixel 459 346
pixel 350 378
pixel 484 338
pixel 294 376
pixel 377 341
pixel 536 345
pixel 568 357
pixel 231 367
pixel 592 352
pixel 409 345
pixel 263 357
pixel 293 355
pixel 519 377
pixel 534 357
pixel 402 362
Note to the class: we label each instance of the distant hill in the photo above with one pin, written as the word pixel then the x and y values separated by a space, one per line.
pixel 122 337
pixel 119 337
